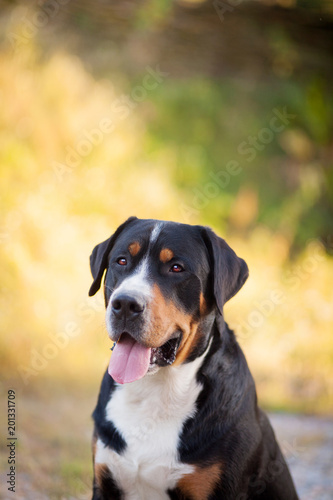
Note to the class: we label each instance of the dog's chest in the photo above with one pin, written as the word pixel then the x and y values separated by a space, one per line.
pixel 150 414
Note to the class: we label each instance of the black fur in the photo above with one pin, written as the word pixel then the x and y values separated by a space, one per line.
pixel 228 428
pixel 99 257
pixel 107 491
pixel 229 271
pixel 103 428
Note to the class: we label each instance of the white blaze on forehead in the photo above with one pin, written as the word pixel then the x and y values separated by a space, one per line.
pixel 156 231
pixel 137 281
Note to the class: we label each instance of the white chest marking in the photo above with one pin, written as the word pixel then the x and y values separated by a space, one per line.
pixel 150 414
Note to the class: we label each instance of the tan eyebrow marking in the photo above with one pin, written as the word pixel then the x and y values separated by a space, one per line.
pixel 134 248
pixel 166 254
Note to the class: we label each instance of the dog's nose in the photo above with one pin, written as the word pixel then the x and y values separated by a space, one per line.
pixel 127 306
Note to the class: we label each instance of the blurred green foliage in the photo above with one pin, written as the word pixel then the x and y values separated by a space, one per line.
pixel 208 123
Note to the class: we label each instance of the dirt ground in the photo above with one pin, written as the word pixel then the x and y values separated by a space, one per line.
pixel 307 443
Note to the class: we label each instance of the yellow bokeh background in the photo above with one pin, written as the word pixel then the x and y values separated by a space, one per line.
pixel 125 110
pixel 54 214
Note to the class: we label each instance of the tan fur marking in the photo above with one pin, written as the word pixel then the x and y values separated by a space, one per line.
pixel 166 254
pixel 134 248
pixel 101 471
pixel 187 345
pixel 166 318
pixel 201 483
pixel 203 304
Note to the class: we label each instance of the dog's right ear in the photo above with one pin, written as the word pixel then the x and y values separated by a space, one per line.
pixel 99 257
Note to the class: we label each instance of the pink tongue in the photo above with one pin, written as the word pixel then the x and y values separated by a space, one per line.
pixel 129 360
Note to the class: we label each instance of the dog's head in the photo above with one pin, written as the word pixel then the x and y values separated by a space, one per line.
pixel 164 284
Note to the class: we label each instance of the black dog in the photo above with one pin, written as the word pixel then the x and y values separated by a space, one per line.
pixel 177 414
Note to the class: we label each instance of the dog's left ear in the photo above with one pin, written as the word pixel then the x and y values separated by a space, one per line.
pixel 228 270
pixel 99 257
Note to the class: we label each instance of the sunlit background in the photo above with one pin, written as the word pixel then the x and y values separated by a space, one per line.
pixel 178 110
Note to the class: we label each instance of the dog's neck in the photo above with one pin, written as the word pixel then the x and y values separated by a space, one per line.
pixel 172 385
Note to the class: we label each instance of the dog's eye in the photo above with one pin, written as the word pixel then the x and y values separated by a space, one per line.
pixel 122 261
pixel 176 268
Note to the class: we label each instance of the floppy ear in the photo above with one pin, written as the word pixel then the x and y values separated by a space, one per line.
pixel 99 257
pixel 229 271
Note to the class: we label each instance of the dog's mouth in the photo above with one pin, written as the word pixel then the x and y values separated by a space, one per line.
pixel 131 360
pixel 166 354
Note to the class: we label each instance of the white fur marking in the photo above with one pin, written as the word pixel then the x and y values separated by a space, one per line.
pixel 156 231
pixel 149 414
pixel 135 282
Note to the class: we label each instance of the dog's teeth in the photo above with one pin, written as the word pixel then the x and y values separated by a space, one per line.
pixel 167 360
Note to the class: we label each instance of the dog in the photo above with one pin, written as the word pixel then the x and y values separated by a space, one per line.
pixel 177 415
